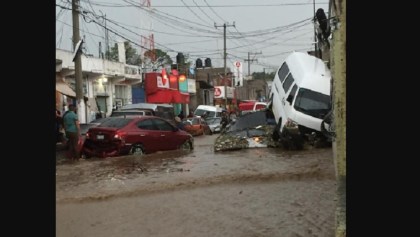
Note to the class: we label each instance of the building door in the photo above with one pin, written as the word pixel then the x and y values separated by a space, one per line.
pixel 138 95
pixel 102 105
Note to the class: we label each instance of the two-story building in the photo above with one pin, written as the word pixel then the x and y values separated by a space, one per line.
pixel 106 84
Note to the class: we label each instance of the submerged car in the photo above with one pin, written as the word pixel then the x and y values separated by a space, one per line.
pixel 138 135
pixel 196 126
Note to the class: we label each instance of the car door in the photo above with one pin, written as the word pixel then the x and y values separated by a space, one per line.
pixel 147 134
pixel 167 139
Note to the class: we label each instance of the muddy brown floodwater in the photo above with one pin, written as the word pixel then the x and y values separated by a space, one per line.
pixel 246 193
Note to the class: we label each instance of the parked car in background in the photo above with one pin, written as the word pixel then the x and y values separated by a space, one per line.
pixel 196 126
pixel 131 113
pixel 252 106
pixel 214 124
pixel 136 135
pixel 165 111
pixel 208 111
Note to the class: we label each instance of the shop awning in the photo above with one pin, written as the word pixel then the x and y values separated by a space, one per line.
pixel 64 89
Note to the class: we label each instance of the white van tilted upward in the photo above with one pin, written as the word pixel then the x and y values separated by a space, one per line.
pixel 300 98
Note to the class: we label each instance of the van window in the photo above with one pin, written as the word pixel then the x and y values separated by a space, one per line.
pixel 312 103
pixel 288 82
pixel 284 69
pixel 292 94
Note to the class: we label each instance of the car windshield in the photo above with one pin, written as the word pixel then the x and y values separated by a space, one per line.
pixel 200 112
pixel 213 120
pixel 312 103
pixel 115 123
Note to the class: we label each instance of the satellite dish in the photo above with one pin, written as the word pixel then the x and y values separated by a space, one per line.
pixel 77 49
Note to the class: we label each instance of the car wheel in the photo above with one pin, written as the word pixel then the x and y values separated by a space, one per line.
pixel 84 156
pixel 276 131
pixel 137 150
pixel 208 132
pixel 186 146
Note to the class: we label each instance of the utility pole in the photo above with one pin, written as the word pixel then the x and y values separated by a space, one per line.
pixel 316 44
pixel 339 75
pixel 224 56
pixel 78 63
pixel 251 60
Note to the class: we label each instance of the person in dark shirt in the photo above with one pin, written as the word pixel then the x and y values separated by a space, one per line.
pixel 181 114
pixel 179 123
pixel 225 119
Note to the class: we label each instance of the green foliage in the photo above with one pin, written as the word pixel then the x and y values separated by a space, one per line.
pixel 263 76
pixel 133 58
pixel 165 58
pixel 131 55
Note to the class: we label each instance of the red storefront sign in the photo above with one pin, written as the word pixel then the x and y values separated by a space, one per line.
pixel 157 92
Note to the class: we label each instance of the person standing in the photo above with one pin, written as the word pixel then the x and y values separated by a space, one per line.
pixel 72 129
pixel 225 120
pixel 58 123
pixel 181 114
pixel 179 123
pixel 191 113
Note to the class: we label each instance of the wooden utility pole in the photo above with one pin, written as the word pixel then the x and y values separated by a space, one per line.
pixel 78 63
pixel 224 56
pixel 315 40
pixel 338 68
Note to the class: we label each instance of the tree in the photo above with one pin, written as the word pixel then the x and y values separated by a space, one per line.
pixel 263 76
pixel 131 55
pixel 160 56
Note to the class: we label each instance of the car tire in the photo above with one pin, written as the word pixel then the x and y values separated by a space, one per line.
pixel 186 146
pixel 84 156
pixel 276 132
pixel 137 149
pixel 208 132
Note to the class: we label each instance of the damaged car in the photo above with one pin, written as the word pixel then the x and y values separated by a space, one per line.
pixel 251 130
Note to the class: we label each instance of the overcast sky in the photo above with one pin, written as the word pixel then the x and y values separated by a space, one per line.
pixel 266 29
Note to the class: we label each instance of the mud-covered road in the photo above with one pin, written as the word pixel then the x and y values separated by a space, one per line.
pixel 250 192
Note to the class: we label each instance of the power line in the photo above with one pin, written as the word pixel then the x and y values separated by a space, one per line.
pixel 106 4
pixel 245 5
pixel 192 11
pixel 211 8
pixel 211 19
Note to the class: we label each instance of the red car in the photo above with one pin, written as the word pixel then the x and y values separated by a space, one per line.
pixel 140 135
pixel 196 126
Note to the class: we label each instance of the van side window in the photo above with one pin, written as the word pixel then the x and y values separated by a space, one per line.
pixel 292 94
pixel 284 69
pixel 288 82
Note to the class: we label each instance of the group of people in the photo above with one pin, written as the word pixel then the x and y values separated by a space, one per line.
pixel 68 131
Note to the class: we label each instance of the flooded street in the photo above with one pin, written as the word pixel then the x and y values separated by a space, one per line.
pixel 249 192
